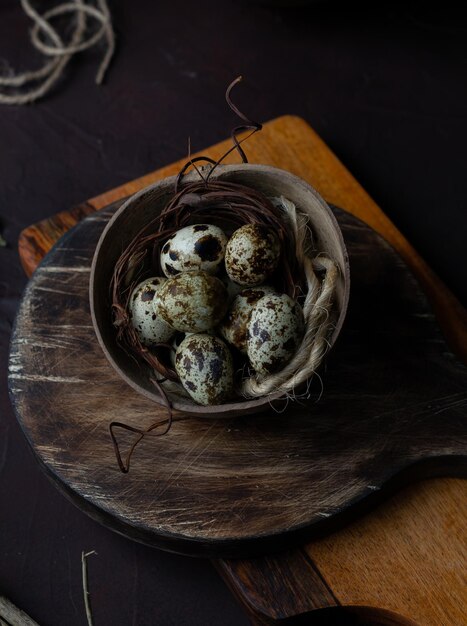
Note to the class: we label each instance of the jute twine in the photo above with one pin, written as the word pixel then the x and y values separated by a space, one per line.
pixel 317 311
pixel 27 87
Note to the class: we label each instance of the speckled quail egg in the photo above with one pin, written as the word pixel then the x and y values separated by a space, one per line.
pixel 195 247
pixel 252 254
pixel 192 301
pixel 274 333
pixel 150 327
pixel 177 340
pixel 204 365
pixel 234 327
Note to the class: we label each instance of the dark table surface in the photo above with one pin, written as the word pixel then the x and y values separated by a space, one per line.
pixel 385 88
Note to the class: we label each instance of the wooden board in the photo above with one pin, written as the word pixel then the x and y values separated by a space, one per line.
pixel 232 487
pixel 385 549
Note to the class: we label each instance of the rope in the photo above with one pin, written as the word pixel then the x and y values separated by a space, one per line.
pixel 317 313
pixel 46 39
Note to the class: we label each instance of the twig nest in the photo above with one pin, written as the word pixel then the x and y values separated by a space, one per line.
pixel 195 247
pixel 192 302
pixel 275 332
pixel 234 327
pixel 278 335
pixel 205 368
pixel 151 328
pixel 252 254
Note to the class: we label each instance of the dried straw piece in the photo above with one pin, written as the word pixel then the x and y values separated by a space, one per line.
pixel 86 594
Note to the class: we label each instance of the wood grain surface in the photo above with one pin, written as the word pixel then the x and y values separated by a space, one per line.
pixel 232 487
pixel 400 524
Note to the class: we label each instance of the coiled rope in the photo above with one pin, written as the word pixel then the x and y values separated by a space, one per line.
pixel 27 87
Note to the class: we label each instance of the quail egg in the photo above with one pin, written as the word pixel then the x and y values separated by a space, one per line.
pixel 177 340
pixel 205 368
pixel 192 301
pixel 252 254
pixel 195 247
pixel 234 327
pixel 274 333
pixel 150 327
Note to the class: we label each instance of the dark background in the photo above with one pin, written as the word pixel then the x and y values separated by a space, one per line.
pixel 385 87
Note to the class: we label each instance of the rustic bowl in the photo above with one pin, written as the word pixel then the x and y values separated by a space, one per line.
pixel 143 206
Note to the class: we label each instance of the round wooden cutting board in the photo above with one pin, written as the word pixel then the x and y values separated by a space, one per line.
pixel 393 399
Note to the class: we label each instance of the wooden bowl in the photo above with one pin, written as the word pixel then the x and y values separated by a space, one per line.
pixel 144 206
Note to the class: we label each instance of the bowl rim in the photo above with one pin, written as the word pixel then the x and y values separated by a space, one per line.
pixel 231 408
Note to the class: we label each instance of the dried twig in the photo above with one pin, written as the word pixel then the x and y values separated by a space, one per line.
pixel 86 595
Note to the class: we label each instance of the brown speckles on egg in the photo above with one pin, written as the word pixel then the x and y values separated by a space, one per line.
pixel 150 328
pixel 252 254
pixel 264 335
pixel 192 302
pixel 274 333
pixel 253 295
pixel 216 369
pixel 196 247
pixel 260 333
pixel 187 362
pixel 198 356
pixel 254 329
pixel 209 376
pixel 209 248
pixel 148 294
pixel 235 325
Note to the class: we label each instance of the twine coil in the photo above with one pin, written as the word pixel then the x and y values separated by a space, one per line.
pixel 317 311
pixel 45 38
